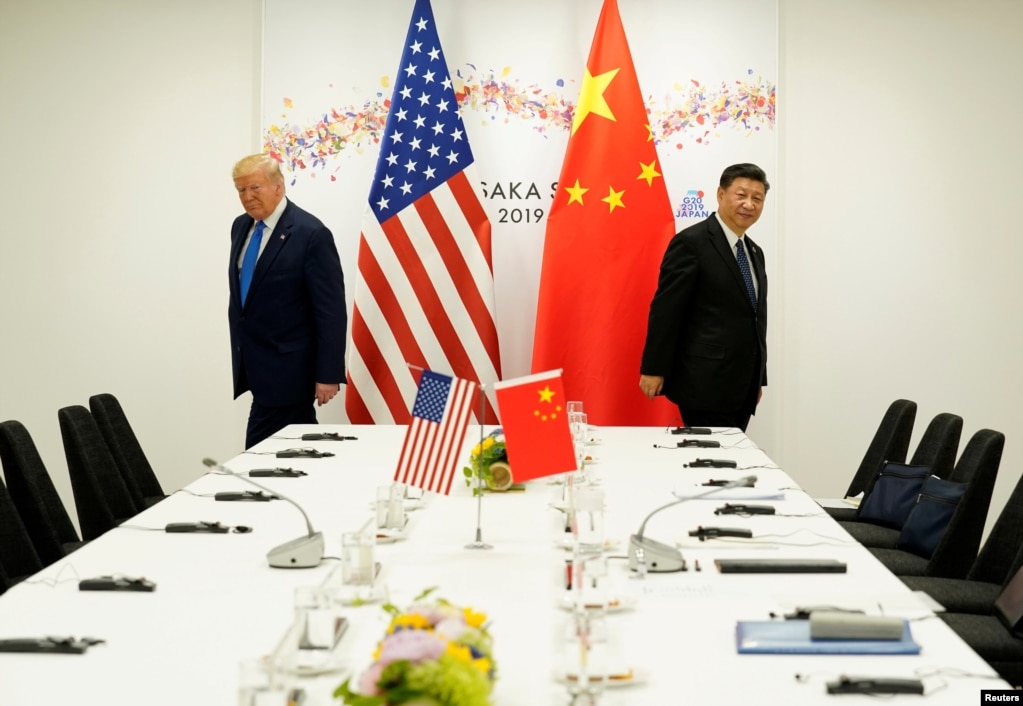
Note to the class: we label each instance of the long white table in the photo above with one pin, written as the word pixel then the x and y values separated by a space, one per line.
pixel 217 601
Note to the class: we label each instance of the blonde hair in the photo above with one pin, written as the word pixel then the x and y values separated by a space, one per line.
pixel 258 162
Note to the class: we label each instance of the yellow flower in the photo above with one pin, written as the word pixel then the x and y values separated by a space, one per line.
pixel 472 618
pixel 483 664
pixel 460 652
pixel 408 621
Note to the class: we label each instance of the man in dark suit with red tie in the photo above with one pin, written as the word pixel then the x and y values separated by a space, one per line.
pixel 706 344
pixel 287 310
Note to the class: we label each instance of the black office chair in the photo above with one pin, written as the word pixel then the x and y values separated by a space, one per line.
pixel 5 581
pixel 998 561
pixel 18 557
pixel 977 468
pixel 101 497
pixel 41 509
pixel 131 460
pixel 937 450
pixel 890 443
pixel 988 637
pixel 996 637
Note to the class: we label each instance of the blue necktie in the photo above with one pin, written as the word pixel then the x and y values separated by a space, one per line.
pixel 747 275
pixel 249 261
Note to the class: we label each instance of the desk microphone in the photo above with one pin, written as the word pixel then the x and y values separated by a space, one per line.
pixel 647 554
pixel 302 553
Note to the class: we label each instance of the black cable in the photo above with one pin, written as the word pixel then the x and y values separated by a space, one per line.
pixel 832 541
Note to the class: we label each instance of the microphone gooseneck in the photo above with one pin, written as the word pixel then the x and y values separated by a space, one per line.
pixel 647 554
pixel 742 482
pixel 302 553
pixel 219 468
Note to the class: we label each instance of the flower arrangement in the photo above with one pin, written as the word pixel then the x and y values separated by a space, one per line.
pixel 489 460
pixel 434 653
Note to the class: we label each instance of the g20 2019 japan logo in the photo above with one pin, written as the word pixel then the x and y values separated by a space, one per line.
pixel 692 205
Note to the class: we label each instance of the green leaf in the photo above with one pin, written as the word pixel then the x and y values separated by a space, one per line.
pixel 424 594
pixel 353 699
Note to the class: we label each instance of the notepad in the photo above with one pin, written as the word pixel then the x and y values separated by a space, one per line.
pixel 793 637
pixel 780 566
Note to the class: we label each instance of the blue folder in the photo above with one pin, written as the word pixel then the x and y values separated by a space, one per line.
pixel 793 637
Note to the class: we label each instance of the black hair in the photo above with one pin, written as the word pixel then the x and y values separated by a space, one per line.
pixel 744 171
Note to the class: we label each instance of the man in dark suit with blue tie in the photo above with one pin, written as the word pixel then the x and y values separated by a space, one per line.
pixel 706 344
pixel 287 310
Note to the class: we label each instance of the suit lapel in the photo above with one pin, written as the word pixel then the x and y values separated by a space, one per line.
pixel 273 247
pixel 720 241
pixel 757 265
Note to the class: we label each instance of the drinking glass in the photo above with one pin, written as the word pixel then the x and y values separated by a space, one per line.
pixel 383 504
pixel 578 424
pixel 396 508
pixel 585 655
pixel 260 683
pixel 588 520
pixel 319 624
pixel 358 567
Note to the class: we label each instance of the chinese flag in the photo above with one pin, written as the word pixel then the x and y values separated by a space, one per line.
pixel 535 421
pixel 606 233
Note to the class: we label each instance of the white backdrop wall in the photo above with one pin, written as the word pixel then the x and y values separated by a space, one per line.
pixel 121 121
pixel 900 257
pixel 894 198
pixel 520 67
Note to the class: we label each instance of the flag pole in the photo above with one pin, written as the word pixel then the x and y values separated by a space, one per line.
pixel 479 543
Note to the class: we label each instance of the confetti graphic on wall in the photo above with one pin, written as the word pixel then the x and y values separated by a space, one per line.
pixel 691 114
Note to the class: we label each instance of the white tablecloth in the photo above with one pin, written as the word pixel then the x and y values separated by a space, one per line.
pixel 217 602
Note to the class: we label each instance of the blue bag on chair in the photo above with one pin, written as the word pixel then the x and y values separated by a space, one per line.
pixel 893 494
pixel 930 516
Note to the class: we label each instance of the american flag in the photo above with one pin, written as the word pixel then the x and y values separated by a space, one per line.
pixel 424 295
pixel 433 441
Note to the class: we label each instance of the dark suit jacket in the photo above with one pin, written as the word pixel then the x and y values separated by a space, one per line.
pixel 703 336
pixel 291 332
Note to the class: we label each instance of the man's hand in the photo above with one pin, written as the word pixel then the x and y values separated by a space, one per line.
pixel 325 392
pixel 651 385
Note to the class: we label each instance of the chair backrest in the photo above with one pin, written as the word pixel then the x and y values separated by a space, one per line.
pixel 125 448
pixel 101 496
pixel 1009 603
pixel 5 582
pixel 977 468
pixel 1002 554
pixel 42 511
pixel 890 443
pixel 17 555
pixel 939 445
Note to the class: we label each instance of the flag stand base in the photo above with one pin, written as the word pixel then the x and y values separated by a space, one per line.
pixel 479 543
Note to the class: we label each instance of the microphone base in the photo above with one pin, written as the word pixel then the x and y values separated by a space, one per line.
pixel 658 557
pixel 302 553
